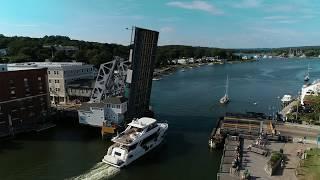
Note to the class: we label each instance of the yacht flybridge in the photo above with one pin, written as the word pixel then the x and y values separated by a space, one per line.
pixel 141 136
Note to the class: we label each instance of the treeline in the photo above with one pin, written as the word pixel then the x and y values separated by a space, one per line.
pixel 26 49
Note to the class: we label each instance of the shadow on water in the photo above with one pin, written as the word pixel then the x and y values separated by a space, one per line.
pixel 188 123
pixel 63 133
pixel 174 146
pixel 9 145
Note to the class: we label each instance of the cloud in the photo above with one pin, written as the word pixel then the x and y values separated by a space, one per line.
pixel 170 19
pixel 26 25
pixel 132 17
pixel 287 21
pixel 276 17
pixel 282 8
pixel 281 19
pixel 197 5
pixel 248 4
pixel 167 29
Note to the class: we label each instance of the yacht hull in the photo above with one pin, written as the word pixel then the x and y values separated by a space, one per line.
pixel 141 150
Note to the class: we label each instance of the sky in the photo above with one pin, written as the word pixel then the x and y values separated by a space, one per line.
pixel 210 23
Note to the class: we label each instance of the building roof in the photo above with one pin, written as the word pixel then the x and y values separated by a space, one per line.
pixel 49 65
pixel 86 106
pixel 115 100
pixel 142 122
pixel 109 100
pixel 82 84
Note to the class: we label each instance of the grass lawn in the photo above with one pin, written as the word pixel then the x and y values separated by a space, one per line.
pixel 310 169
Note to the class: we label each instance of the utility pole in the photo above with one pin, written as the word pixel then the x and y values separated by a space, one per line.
pixel 131 42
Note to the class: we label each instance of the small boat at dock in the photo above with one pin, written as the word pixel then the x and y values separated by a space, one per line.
pixel 156 79
pixel 307 76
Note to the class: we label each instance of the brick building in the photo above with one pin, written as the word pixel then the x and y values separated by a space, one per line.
pixel 24 100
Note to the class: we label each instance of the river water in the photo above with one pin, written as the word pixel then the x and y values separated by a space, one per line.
pixel 187 100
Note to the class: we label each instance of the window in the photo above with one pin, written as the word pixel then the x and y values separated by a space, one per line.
pixel 118 106
pixel 48 72
pixel 25 81
pixel 49 80
pixel 39 78
pixel 117 153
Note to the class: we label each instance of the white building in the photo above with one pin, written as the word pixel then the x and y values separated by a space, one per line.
pixel 245 57
pixel 111 110
pixel 190 60
pixel 3 52
pixel 59 75
pixel 182 61
pixel 3 67
pixel 312 89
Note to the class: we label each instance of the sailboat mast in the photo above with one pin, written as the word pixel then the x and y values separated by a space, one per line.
pixel 227 85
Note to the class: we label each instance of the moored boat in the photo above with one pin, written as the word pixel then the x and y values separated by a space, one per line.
pixel 225 99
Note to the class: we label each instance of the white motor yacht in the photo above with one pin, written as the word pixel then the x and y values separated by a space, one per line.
pixel 141 136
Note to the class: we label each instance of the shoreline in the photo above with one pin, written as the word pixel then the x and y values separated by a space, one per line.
pixel 158 72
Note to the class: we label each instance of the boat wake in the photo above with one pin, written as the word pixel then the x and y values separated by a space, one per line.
pixel 99 171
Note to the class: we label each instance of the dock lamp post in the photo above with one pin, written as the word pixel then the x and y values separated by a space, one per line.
pixel 298 98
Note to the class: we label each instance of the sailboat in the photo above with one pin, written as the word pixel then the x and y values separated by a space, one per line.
pixel 307 77
pixel 225 99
